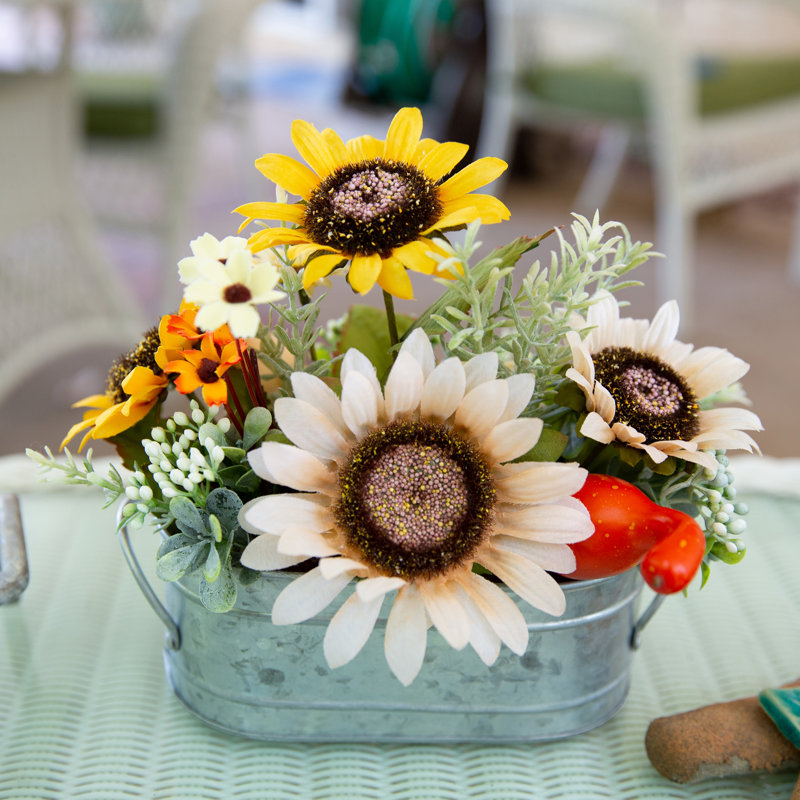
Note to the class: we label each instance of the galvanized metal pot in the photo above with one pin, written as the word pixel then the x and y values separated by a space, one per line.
pixel 240 673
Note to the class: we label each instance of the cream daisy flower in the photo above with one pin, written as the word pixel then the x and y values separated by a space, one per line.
pixel 227 292
pixel 207 249
pixel 644 388
pixel 405 489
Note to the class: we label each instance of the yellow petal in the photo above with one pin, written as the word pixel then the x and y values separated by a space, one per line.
pixel 301 253
pixel 364 271
pixel 453 219
pixel 403 135
pixel 365 148
pixel 441 158
pixel 394 279
pixel 336 146
pixel 487 207
pixel 288 173
pixel 414 255
pixel 422 149
pixel 285 212
pixel 473 176
pixel 319 267
pixel 94 401
pixel 77 428
pixel 269 237
pixel 314 148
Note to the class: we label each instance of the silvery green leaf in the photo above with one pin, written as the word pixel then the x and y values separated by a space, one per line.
pixel 235 454
pixel 219 596
pixel 256 425
pixel 224 505
pixel 209 429
pixel 177 563
pixel 187 516
pixel 174 542
pixel 213 565
pixel 214 528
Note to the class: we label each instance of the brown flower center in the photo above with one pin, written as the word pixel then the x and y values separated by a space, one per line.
pixel 237 293
pixel 143 355
pixel 207 371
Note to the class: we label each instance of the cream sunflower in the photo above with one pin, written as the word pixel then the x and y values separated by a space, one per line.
pixel 405 489
pixel 644 388
pixel 375 204
pixel 207 249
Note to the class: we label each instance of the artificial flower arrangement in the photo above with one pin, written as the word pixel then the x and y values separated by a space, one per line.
pixel 517 433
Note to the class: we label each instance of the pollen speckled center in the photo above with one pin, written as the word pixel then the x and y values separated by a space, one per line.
pixel 372 207
pixel 416 499
pixel 649 394
pixel 143 355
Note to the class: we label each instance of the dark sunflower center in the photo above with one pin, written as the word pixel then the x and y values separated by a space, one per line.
pixel 207 371
pixel 372 207
pixel 143 355
pixel 416 499
pixel 650 395
pixel 237 293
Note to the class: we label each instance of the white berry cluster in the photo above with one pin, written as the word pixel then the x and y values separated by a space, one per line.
pixel 721 514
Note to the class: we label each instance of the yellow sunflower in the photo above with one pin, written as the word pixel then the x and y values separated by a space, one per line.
pixel 375 204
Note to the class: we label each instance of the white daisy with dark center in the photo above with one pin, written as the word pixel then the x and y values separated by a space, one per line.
pixel 644 388
pixel 404 488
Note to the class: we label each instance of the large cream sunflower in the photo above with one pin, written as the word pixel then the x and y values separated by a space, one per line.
pixel 375 204
pixel 644 388
pixel 405 489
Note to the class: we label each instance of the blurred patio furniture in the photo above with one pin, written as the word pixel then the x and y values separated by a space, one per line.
pixel 713 86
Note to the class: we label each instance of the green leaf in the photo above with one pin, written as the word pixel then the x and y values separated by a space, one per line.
pixel 256 425
pixel 366 329
pixel 705 571
pixel 174 542
pixel 570 395
pixel 550 446
pixel 718 550
pixel 213 565
pixel 219 596
pixel 235 454
pixel 187 516
pixel 666 467
pixel 224 505
pixel 214 528
pixel 177 563
pixel 209 429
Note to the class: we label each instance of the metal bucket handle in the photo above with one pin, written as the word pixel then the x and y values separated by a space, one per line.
pixel 13 556
pixel 173 632
pixel 647 615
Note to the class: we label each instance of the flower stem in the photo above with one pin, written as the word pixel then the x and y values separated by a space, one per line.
pixel 391 321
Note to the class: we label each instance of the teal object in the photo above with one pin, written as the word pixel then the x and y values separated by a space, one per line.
pixel 240 673
pixel 783 708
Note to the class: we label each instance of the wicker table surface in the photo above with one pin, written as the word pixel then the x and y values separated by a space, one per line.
pixel 85 711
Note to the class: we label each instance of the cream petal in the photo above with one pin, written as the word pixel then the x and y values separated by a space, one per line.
pixel 705 459
pixel 538 482
pixel 371 588
pixel 276 513
pixel 512 439
pixel 316 392
pixel 262 554
pixel 349 629
pixel 355 361
pixel 604 403
pixel 334 567
pixel 446 613
pixel 501 612
pixel 663 329
pixel 359 404
pixel 306 596
pixel 520 391
pixel 443 389
pixel 719 370
pixel 480 409
pixel 406 634
pixel 309 428
pixel 547 555
pixel 595 427
pixel 628 434
pixel 525 578
pixel 243 320
pixel 419 347
pixel 581 357
pixel 479 369
pixel 483 638
pixel 547 523
pixel 290 466
pixel 306 543
pixel 735 418
pixel 581 380
pixel 652 450
pixel 403 390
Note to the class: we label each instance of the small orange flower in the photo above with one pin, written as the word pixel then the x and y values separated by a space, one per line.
pixel 205 368
pixel 176 332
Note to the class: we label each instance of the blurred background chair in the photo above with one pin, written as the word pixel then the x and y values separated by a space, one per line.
pixel 711 87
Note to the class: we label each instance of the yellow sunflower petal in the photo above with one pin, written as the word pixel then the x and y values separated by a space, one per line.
pixel 301 253
pixel 414 256
pixel 285 212
pixel 337 146
pixel 473 176
pixel 364 148
pixel 319 267
pixel 314 148
pixel 487 207
pixel 403 135
pixel 77 428
pixel 422 149
pixel 394 279
pixel 364 271
pixel 101 401
pixel 441 158
pixel 270 237
pixel 452 219
pixel 288 173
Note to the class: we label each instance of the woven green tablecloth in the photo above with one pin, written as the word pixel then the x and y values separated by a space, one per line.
pixel 85 711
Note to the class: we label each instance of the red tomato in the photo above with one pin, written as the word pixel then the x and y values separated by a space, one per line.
pixel 628 527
